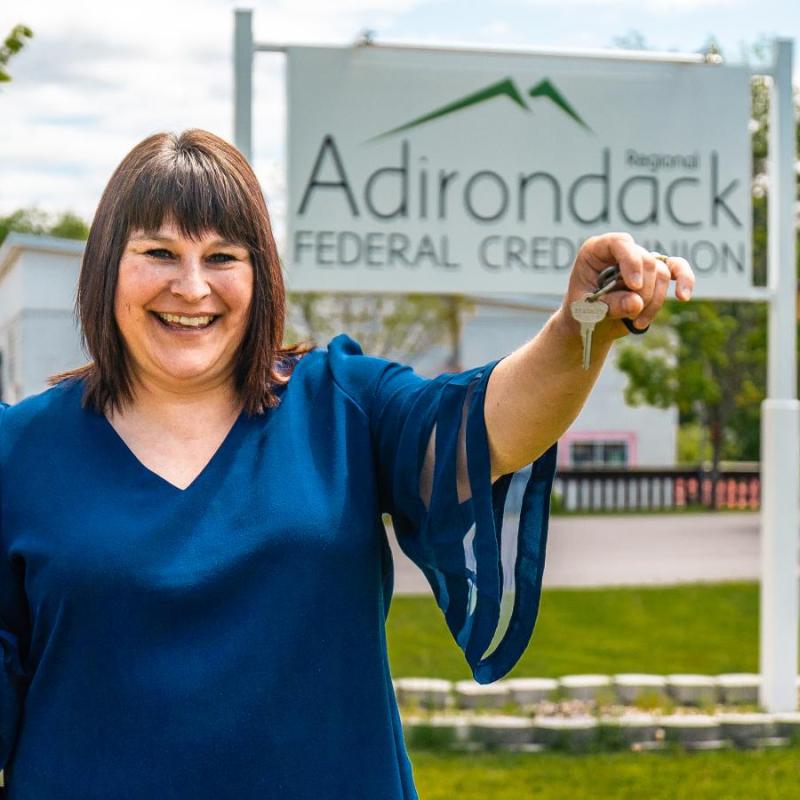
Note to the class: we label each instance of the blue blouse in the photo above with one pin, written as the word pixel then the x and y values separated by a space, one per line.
pixel 227 640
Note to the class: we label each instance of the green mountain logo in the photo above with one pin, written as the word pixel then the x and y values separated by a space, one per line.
pixel 503 88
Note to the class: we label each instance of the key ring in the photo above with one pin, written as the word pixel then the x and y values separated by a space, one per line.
pixel 609 279
pixel 606 280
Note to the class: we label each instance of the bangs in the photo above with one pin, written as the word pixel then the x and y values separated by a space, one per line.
pixel 190 189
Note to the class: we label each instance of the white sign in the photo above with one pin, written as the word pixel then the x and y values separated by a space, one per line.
pixel 436 171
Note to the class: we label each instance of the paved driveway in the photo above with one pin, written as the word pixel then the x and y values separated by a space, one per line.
pixel 634 550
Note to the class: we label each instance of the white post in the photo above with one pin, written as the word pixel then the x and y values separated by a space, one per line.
pixel 780 411
pixel 243 82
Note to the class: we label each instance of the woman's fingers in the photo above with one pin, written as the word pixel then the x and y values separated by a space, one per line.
pixel 641 306
pixel 638 266
pixel 662 279
pixel 621 249
pixel 681 273
pixel 646 276
pixel 652 267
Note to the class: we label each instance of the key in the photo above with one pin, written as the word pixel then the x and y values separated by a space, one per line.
pixel 587 313
pixel 608 280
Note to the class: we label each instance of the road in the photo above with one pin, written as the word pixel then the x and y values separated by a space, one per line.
pixel 616 550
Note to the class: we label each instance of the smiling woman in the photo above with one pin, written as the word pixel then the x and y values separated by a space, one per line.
pixel 194 570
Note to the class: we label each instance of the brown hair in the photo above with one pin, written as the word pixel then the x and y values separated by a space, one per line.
pixel 202 183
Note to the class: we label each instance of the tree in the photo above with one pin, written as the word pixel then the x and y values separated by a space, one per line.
pixel 709 358
pixel 11 46
pixel 392 326
pixel 33 220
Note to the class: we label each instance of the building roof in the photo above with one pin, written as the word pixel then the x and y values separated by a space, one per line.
pixel 16 242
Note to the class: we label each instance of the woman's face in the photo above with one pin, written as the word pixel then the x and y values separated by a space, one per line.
pixel 162 273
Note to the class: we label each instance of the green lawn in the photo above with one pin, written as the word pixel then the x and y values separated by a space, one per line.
pixel 703 628
pixel 727 775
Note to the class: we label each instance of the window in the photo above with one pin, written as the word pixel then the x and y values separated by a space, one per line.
pixel 599 454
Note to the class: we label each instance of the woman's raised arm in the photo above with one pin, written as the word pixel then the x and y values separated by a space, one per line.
pixel 535 393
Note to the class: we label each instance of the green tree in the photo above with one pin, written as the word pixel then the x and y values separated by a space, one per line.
pixel 33 220
pixel 393 326
pixel 13 43
pixel 709 358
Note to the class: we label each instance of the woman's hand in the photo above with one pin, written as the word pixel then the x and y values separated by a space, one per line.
pixel 646 279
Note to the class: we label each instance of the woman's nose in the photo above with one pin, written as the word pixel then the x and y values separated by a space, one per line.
pixel 190 281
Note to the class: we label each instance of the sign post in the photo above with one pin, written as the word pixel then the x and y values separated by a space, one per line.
pixel 457 171
pixel 243 82
pixel 780 411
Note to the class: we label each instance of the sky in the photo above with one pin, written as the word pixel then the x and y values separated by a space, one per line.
pixel 98 77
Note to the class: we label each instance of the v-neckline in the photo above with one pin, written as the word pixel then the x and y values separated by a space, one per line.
pixel 209 466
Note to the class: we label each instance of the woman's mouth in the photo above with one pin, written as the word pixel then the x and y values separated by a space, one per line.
pixel 185 323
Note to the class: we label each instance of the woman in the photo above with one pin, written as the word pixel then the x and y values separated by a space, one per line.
pixel 194 574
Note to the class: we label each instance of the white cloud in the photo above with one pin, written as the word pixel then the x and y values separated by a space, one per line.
pixel 98 77
pixel 498 29
pixel 659 6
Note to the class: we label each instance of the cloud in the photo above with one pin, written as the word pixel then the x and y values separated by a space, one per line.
pixel 66 60
pixel 498 29
pixel 65 119
pixel 659 6
pixel 98 77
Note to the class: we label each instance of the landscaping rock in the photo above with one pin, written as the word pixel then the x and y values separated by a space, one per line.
pixel 502 731
pixel 739 687
pixel 529 691
pixel 470 694
pixel 426 692
pixel 567 733
pixel 631 686
pixel 439 730
pixel 693 689
pixel 631 728
pixel 586 687
pixel 691 730
pixel 787 724
pixel 745 729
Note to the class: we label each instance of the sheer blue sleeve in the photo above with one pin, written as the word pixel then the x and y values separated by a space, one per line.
pixel 11 624
pixel 434 479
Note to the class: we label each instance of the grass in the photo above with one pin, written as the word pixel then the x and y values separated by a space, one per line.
pixel 704 628
pixel 766 775
pixel 697 628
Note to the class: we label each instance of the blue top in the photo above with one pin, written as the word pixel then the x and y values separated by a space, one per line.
pixel 227 640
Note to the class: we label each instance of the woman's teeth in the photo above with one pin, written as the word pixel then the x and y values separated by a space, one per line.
pixel 186 322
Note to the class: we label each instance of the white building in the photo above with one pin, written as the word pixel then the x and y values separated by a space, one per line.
pixel 39 336
pixel 607 431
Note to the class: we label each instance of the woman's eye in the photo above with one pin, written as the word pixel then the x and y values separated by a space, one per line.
pixel 161 253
